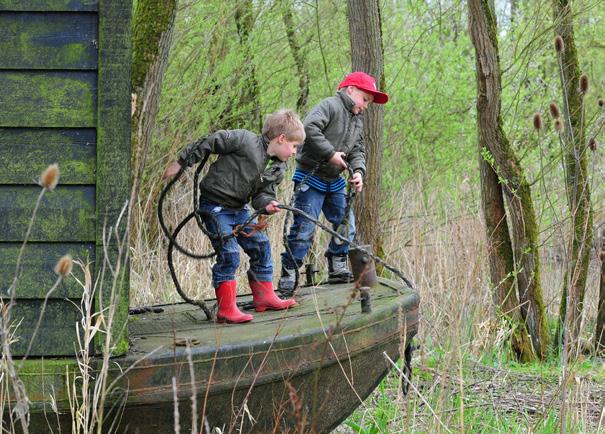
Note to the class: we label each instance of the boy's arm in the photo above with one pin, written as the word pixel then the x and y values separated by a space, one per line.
pixel 357 157
pixel 315 123
pixel 220 142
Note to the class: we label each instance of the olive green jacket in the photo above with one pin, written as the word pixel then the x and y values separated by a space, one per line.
pixel 331 127
pixel 242 172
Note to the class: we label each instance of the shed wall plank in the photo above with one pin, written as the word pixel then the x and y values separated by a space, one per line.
pixel 49 5
pixel 113 144
pixel 26 152
pixel 56 335
pixel 37 268
pixel 66 214
pixel 48 99
pixel 48 40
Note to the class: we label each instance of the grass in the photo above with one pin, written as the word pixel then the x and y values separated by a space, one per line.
pixel 465 380
pixel 463 368
pixel 484 400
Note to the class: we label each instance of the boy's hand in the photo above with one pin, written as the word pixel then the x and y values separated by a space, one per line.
pixel 272 207
pixel 357 181
pixel 172 170
pixel 338 160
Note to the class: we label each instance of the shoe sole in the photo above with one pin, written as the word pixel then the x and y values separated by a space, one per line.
pixel 265 308
pixel 227 321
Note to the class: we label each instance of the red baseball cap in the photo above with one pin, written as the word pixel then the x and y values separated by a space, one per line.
pixel 366 83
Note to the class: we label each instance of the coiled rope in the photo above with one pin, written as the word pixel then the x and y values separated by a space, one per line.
pixel 219 239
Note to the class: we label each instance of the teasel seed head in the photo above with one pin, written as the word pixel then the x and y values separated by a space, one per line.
pixel 558 125
pixel 583 83
pixel 554 110
pixel 50 177
pixel 592 144
pixel 559 44
pixel 537 121
pixel 601 102
pixel 64 266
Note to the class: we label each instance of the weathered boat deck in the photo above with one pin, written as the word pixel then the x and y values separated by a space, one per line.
pixel 308 367
pixel 318 308
pixel 327 351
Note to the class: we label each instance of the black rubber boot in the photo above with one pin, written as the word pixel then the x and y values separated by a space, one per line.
pixel 338 269
pixel 286 283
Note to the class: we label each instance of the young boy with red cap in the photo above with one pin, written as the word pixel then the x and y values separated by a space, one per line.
pixel 248 168
pixel 334 143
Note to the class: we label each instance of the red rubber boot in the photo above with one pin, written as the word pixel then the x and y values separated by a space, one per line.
pixel 264 297
pixel 227 308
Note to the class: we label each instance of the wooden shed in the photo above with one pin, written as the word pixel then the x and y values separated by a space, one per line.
pixel 64 98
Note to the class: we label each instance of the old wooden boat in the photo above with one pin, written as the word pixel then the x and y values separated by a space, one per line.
pixel 64 88
pixel 307 368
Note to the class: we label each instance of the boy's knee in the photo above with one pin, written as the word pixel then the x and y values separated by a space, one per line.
pixel 305 230
pixel 263 250
pixel 230 260
pixel 336 219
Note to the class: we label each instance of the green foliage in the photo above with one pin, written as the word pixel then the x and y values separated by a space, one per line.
pixel 480 408
pixel 430 121
pixel 429 69
pixel 430 132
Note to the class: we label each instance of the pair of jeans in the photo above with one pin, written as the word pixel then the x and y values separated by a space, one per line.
pixel 312 201
pixel 257 246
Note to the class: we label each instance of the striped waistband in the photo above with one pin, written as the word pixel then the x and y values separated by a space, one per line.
pixel 318 183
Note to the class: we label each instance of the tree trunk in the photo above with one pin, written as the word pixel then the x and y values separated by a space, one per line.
pixel 576 181
pixel 297 54
pixel 499 154
pixel 153 24
pixel 501 258
pixel 248 104
pixel 600 330
pixel 367 56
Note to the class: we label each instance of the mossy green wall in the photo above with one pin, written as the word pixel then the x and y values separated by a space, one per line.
pixel 65 97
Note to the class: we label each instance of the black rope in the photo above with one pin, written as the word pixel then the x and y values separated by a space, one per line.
pixel 199 215
pixel 345 221
pixel 175 279
pixel 174 244
pixel 219 239
pixel 351 243
pixel 349 202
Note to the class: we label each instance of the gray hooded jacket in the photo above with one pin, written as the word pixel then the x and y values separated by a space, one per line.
pixel 331 127
pixel 243 171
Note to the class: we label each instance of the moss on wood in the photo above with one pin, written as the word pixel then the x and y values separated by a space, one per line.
pixel 48 98
pixel 48 41
pixel 113 157
pixel 66 214
pixel 509 173
pixel 37 263
pixel 25 153
pixel 151 19
pixel 57 332
pixel 49 5
pixel 576 176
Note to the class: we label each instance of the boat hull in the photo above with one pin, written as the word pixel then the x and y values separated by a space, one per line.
pixel 303 370
pixel 321 401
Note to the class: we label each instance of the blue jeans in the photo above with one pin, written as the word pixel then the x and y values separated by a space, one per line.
pixel 257 246
pixel 312 201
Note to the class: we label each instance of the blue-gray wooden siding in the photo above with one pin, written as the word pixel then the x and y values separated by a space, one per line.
pixel 57 101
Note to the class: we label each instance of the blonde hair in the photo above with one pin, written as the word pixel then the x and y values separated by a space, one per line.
pixel 284 121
